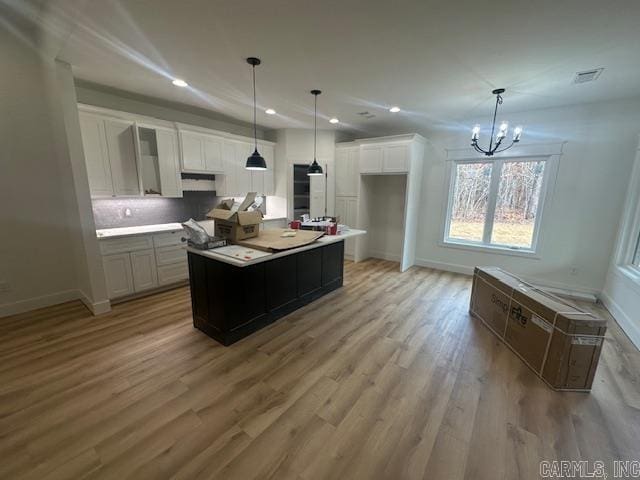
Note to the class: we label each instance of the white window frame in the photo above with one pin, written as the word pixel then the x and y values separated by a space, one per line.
pixel 549 175
pixel 629 235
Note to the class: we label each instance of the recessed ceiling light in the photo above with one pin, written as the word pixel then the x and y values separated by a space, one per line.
pixel 270 111
pixel 394 109
pixel 334 120
pixel 178 82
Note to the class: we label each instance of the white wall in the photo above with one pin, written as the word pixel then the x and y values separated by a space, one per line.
pixel 580 222
pixel 37 258
pixel 621 293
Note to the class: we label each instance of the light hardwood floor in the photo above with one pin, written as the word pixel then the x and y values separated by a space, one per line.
pixel 388 377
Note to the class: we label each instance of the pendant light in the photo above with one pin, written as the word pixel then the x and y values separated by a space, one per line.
pixel 500 136
pixel 255 160
pixel 315 168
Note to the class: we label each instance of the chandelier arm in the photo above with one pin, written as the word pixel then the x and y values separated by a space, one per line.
pixel 478 149
pixel 493 125
pixel 506 148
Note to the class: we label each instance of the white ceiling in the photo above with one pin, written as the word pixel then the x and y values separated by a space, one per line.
pixel 437 60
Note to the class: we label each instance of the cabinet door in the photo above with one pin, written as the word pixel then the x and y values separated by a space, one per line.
pixel 268 152
pixel 396 159
pixel 143 265
pixel 243 176
pixel 170 180
pixel 122 156
pixel 226 183
pixel 96 156
pixel 192 152
pixel 342 172
pixel 351 207
pixel 353 172
pixel 117 272
pixel 371 159
pixel 213 162
pixel 341 210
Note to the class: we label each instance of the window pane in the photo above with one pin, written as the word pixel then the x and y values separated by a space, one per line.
pixel 517 203
pixel 636 258
pixel 470 198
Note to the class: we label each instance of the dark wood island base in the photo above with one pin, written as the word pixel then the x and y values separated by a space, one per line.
pixel 230 302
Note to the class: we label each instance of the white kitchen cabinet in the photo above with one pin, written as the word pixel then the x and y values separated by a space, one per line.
pixel 171 254
pixel 110 155
pixel 173 273
pixel 371 159
pixel 122 156
pixel 168 163
pixel 391 158
pixel 118 274
pixel 201 153
pixel 143 266
pixel 347 211
pixel 347 171
pixel 191 152
pixel 94 143
pixel 395 159
pixel 213 154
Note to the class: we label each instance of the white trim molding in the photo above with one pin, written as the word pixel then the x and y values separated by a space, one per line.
pixel 517 151
pixel 29 304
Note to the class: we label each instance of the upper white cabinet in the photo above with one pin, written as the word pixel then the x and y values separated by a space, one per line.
pixel 159 164
pixel 94 142
pixel 110 155
pixel 201 153
pixel 122 156
pixel 371 159
pixel 347 171
pixel 391 158
pixel 237 180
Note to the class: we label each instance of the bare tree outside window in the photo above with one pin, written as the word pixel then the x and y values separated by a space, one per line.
pixel 496 203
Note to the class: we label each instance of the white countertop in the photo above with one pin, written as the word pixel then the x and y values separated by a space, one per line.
pixel 158 228
pixel 140 230
pixel 325 240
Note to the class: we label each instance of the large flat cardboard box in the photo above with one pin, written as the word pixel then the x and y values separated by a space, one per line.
pixel 557 340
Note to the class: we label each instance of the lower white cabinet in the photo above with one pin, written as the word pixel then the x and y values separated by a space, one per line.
pixel 347 212
pixel 143 266
pixel 118 274
pixel 176 272
pixel 142 262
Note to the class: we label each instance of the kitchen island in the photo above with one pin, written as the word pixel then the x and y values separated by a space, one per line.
pixel 232 298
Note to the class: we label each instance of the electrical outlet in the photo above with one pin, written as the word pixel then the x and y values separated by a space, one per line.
pixel 5 287
pixel 127 212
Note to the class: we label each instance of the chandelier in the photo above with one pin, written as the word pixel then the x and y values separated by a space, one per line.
pixel 500 136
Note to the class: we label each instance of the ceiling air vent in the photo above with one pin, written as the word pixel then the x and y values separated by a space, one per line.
pixel 367 115
pixel 587 76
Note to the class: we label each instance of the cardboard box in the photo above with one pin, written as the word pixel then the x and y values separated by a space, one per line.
pixel 234 222
pixel 558 341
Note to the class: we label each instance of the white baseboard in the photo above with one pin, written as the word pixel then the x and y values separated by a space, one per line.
pixel 564 290
pixel 394 257
pixel 447 267
pixel 97 308
pixel 628 326
pixel 28 304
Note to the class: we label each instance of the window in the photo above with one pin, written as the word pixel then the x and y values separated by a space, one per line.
pixel 495 203
pixel 636 256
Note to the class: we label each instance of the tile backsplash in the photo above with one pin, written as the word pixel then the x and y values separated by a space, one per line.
pixel 112 212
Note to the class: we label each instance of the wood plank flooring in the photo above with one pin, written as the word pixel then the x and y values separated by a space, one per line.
pixel 388 377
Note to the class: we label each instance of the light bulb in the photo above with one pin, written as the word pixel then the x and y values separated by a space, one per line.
pixel 504 127
pixel 517 133
pixel 475 133
pixel 178 82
